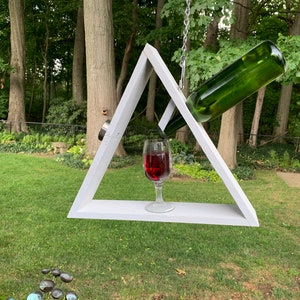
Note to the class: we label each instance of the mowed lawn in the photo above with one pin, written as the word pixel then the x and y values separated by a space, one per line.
pixel 144 260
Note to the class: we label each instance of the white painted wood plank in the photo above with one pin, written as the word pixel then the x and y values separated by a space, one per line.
pixel 134 210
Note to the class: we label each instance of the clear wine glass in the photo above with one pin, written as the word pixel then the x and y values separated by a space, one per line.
pixel 157 166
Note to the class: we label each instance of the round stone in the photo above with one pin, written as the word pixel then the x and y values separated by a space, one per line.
pixel 65 277
pixel 71 296
pixel 57 293
pixel 35 296
pixel 56 272
pixel 45 271
pixel 47 285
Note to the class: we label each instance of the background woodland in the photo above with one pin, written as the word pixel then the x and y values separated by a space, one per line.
pixel 69 63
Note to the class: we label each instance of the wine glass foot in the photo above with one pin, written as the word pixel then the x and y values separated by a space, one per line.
pixel 159 207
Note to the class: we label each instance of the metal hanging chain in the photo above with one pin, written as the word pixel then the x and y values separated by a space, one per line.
pixel 184 42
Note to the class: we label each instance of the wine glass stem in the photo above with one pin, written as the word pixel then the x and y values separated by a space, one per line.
pixel 158 192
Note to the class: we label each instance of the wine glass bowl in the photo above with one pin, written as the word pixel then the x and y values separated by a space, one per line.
pixel 157 167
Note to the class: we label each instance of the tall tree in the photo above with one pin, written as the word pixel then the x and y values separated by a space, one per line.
pixel 282 116
pixel 16 115
pixel 255 122
pixel 101 84
pixel 128 50
pixel 45 60
pixel 78 60
pixel 150 109
pixel 231 122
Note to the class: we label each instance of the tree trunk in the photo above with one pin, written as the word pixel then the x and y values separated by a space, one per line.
pixel 280 129
pixel 101 84
pixel 78 60
pixel 128 50
pixel 150 109
pixel 231 124
pixel 210 43
pixel 228 137
pixel 255 122
pixel 240 123
pixel 33 88
pixel 45 82
pixel 211 40
pixel 182 133
pixel 16 115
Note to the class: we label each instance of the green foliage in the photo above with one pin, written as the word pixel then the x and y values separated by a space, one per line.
pixel 203 64
pixel 3 105
pixel 31 139
pixel 77 150
pixel 18 147
pixel 75 157
pixel 289 46
pixel 66 112
pixel 243 172
pixel 138 130
pixel 178 147
pixel 74 161
pixel 174 10
pixel 7 137
pixel 183 158
pixel 134 143
pixel 294 125
pixel 197 172
pixel 205 172
pixel 284 162
pixel 121 162
pixel 34 142
pixel 273 156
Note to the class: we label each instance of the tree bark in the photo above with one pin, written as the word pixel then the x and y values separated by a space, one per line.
pixel 255 122
pixel 128 50
pixel 231 124
pixel 182 133
pixel 78 60
pixel 45 82
pixel 228 137
pixel 211 40
pixel 16 115
pixel 150 109
pixel 101 84
pixel 282 116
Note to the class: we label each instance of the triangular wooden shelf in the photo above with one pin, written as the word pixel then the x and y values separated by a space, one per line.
pixel 241 213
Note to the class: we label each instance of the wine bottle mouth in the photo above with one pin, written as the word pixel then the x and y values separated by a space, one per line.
pixel 103 130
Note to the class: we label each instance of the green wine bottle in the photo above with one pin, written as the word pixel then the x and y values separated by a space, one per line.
pixel 233 84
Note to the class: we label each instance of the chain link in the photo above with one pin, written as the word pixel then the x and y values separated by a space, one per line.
pixel 184 42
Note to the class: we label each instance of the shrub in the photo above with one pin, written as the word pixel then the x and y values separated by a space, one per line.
pixel 183 158
pixel 178 147
pixel 243 173
pixel 66 112
pixel 195 171
pixel 6 137
pixel 71 160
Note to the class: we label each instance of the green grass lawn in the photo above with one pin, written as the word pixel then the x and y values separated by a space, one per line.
pixel 144 260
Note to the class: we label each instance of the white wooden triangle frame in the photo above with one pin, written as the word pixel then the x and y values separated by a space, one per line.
pixel 241 213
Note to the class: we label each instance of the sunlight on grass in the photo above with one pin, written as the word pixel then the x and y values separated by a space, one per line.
pixel 140 260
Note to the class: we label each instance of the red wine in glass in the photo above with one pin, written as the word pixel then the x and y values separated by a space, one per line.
pixel 157 166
